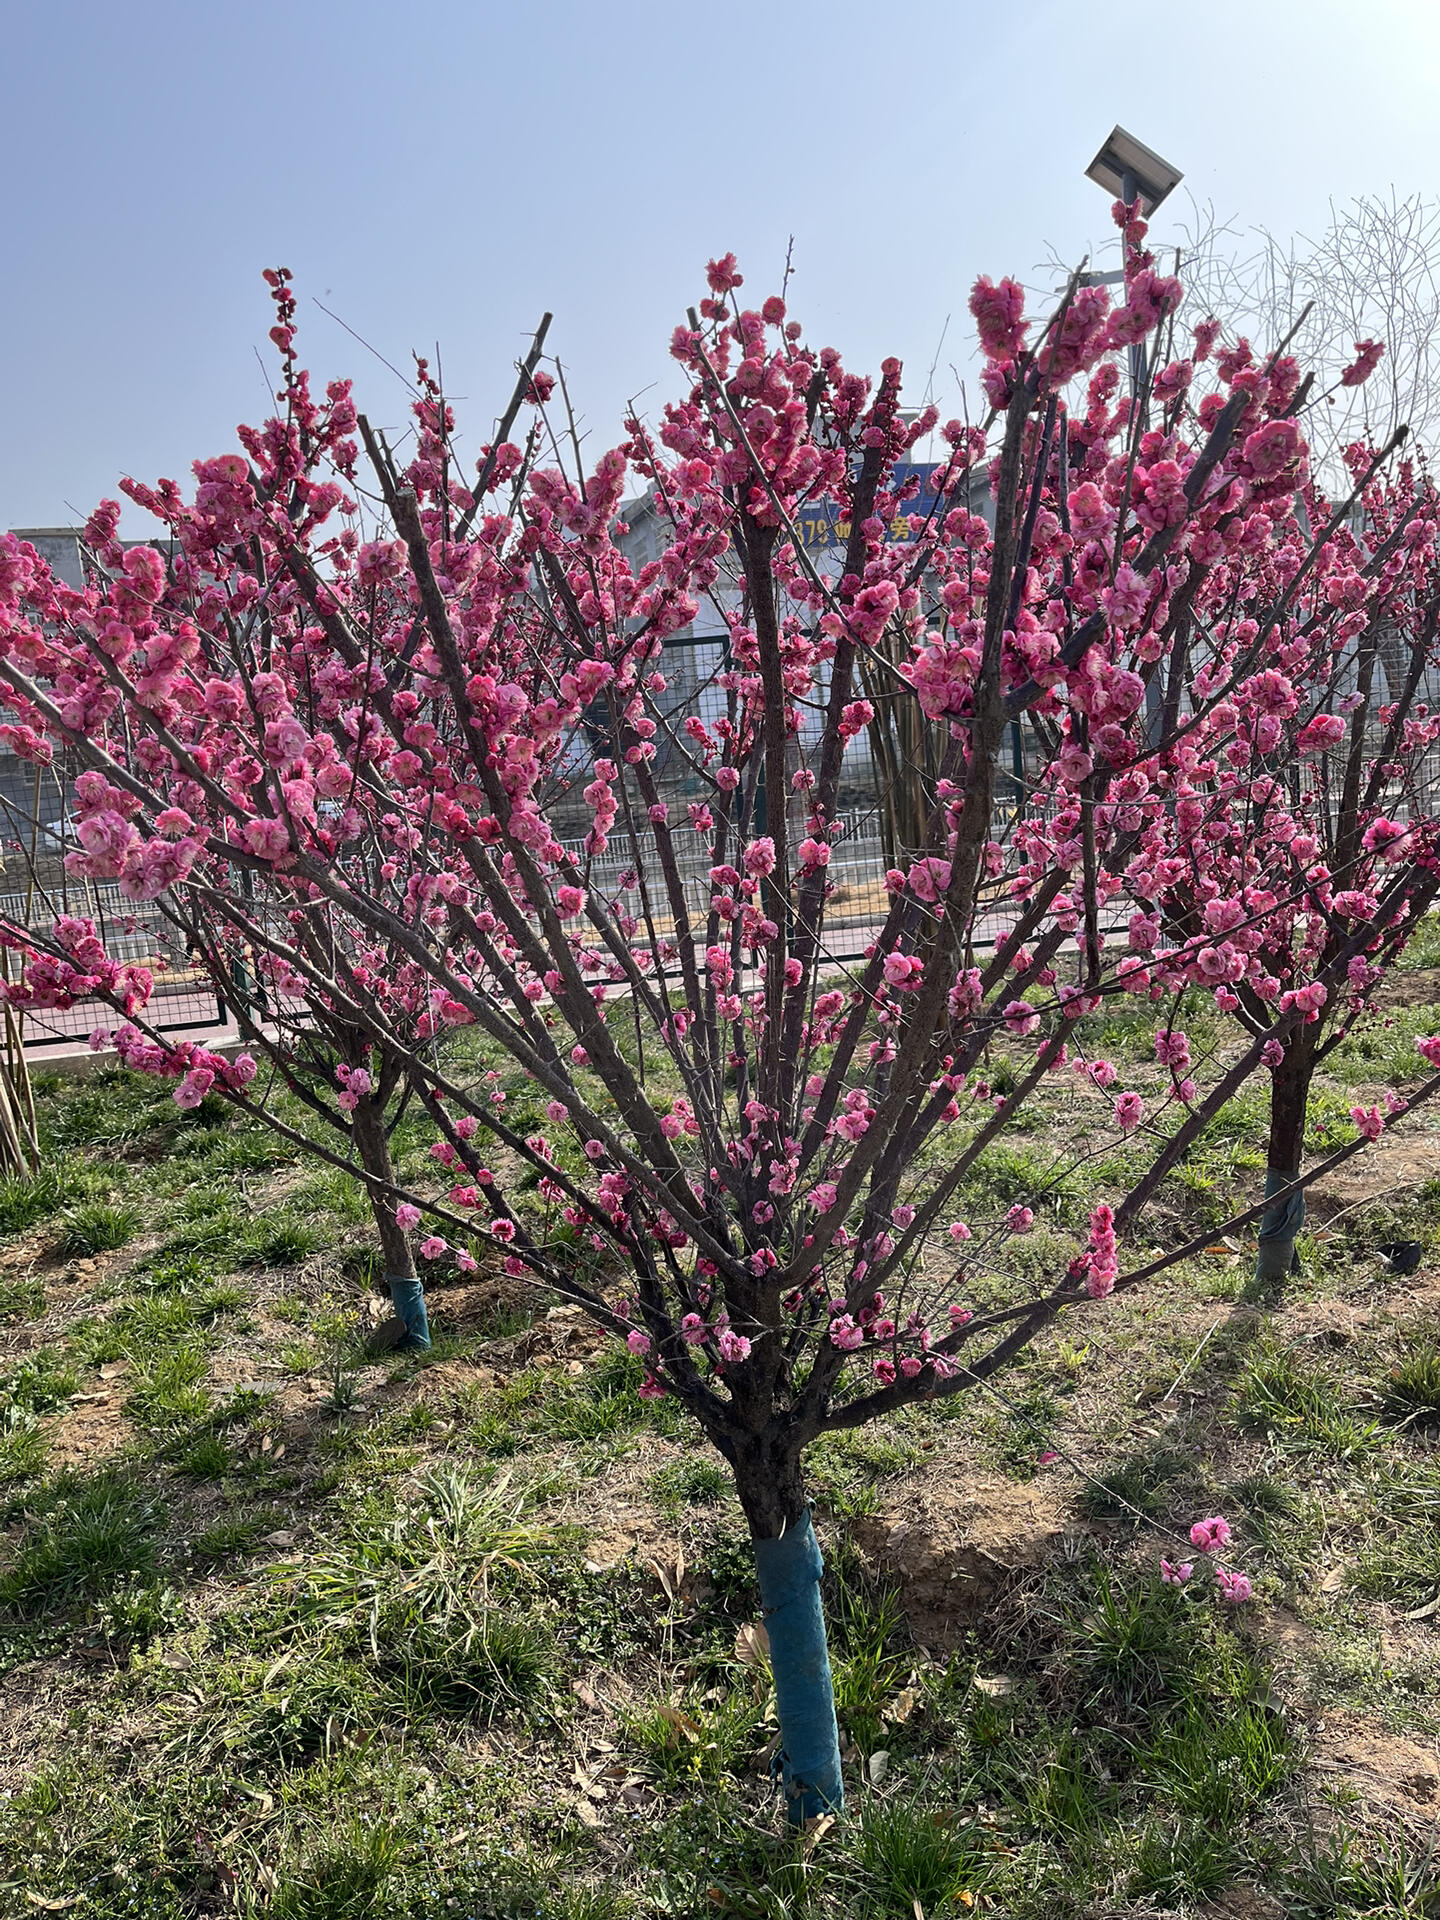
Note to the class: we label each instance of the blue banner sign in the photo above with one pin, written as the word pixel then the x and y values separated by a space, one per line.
pixel 822 524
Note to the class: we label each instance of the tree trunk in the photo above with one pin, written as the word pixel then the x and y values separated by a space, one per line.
pixel 407 1295
pixel 1289 1096
pixel 787 1557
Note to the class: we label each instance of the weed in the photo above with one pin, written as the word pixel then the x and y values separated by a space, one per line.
pixel 1412 1389
pixel 870 1662
pixel 921 1860
pixel 166 1392
pixel 41 1382
pixel 23 1447
pixel 95 1534
pixel 100 1226
pixel 27 1200
pixel 1134 1486
pixel 344 1879
pixel 137 1611
pixel 207 1458
pixel 688 1483
pixel 234 1534
pixel 1299 1409
pixel 278 1240
pixel 699 1738
pixel 22 1299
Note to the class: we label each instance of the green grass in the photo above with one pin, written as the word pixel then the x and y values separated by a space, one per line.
pixel 92 1535
pixel 41 1382
pixel 60 1182
pixel 277 1240
pixel 100 1226
pixel 22 1299
pixel 1411 1393
pixel 1299 1409
pixel 342 1880
pixel 688 1483
pixel 325 1660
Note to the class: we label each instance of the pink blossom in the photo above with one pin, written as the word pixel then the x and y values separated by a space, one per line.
pixel 760 856
pixel 1176 1576
pixel 1020 1219
pixel 997 309
pixel 732 1347
pixel 1369 1120
pixel 1272 448
pixel 432 1248
pixel 1129 1112
pixel 845 1334
pixel 1210 1535
pixel 1172 1049
pixel 1020 1017
pixel 1235 1589
pixel 638 1342
pixel 1384 837
pixel 194 1087
pixel 1368 354
pixel 407 1216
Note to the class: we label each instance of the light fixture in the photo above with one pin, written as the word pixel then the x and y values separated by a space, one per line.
pixel 1127 170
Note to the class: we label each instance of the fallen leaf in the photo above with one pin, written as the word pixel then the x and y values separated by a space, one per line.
pixel 584 1695
pixel 54 1906
pixel 815 1831
pixel 878 1766
pixel 901 1707
pixel 282 1537
pixel 997 1686
pixel 681 1722
pixel 752 1644
pixel 586 1814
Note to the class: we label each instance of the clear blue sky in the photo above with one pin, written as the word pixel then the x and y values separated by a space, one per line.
pixel 445 172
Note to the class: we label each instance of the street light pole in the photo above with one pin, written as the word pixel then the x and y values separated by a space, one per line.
pixel 1136 175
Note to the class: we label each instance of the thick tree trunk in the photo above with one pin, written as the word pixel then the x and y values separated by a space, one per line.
pixel 1290 1093
pixel 407 1296
pixel 787 1557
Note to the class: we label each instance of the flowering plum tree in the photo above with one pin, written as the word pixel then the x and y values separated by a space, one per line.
pixel 758 1158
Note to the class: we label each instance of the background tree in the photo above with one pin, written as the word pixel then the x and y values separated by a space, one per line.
pixel 754 1152
pixel 1372 275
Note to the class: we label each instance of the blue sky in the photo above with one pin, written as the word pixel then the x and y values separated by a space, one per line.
pixel 443 173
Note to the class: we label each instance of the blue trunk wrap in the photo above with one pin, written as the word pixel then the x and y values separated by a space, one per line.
pixel 790 1570
pixel 1279 1227
pixel 407 1296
